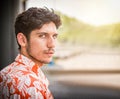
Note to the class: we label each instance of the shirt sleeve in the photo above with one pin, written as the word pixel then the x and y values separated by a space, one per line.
pixel 26 87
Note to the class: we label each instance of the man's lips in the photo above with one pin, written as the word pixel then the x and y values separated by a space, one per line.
pixel 50 52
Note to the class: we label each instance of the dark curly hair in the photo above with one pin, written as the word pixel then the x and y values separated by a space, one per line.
pixel 34 18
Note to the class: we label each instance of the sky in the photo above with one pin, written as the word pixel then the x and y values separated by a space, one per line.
pixel 94 12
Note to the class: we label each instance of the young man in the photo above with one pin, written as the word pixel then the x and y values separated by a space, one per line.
pixel 36 33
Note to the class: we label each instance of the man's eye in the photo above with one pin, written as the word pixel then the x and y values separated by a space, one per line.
pixel 55 36
pixel 42 36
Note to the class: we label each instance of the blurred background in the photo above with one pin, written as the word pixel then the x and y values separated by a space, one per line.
pixel 86 64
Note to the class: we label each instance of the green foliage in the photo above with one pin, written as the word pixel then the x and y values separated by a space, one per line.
pixel 74 31
pixel 115 37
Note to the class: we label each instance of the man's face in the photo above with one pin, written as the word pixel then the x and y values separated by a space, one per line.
pixel 40 47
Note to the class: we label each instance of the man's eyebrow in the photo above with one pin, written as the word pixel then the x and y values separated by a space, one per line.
pixel 46 33
pixel 42 33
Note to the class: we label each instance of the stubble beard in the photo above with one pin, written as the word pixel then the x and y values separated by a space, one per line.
pixel 33 58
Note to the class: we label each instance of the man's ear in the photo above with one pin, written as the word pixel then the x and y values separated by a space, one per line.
pixel 22 40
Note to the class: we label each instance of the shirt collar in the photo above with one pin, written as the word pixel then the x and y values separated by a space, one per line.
pixel 27 62
pixel 21 59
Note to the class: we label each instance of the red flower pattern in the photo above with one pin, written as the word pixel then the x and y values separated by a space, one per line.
pixel 23 79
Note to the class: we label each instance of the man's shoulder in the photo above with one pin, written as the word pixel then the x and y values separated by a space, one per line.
pixel 12 70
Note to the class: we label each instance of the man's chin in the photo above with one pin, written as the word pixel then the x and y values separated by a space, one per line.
pixel 47 62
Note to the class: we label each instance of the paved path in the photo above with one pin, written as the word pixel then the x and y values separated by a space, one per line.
pixel 68 85
pixel 92 61
pixel 62 91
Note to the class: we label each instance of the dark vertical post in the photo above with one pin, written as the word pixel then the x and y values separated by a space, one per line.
pixel 8 45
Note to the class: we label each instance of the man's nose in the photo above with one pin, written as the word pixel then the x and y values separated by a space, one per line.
pixel 51 42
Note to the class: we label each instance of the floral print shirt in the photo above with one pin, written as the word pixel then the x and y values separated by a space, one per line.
pixel 23 79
